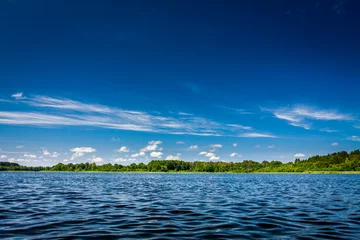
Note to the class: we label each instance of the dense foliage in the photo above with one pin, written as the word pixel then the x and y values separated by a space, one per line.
pixel 10 166
pixel 340 161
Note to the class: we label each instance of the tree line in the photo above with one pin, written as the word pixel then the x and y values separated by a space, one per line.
pixel 339 161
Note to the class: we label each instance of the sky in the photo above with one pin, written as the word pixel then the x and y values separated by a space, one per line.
pixel 131 81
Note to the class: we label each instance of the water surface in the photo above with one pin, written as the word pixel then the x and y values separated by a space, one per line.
pixel 113 205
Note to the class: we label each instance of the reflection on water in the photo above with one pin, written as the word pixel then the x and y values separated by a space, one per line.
pixel 99 205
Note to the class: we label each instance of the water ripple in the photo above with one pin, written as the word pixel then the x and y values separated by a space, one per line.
pixel 168 206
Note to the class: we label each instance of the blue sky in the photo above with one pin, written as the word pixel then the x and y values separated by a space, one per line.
pixel 132 81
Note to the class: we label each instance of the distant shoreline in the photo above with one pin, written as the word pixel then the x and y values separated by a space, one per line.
pixel 336 163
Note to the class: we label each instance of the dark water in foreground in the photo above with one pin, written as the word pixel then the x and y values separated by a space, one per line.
pixel 105 205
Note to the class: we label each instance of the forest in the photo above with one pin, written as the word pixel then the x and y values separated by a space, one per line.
pixel 335 162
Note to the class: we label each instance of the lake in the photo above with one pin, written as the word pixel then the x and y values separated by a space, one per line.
pixel 122 205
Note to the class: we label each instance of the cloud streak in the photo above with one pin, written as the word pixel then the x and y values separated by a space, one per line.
pixel 257 135
pixel 47 112
pixel 298 115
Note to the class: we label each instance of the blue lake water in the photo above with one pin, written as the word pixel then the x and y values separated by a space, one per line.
pixel 114 205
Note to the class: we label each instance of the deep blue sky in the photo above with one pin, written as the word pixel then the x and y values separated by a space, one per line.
pixel 286 72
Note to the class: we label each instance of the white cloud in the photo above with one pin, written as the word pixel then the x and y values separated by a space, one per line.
pixel 210 154
pixel 66 112
pixel 354 138
pixel 298 155
pixel 156 154
pixel 327 130
pixel 3 156
pixel 140 154
pixel 213 158
pixel 81 151
pixel 296 115
pixel 185 114
pixel 203 153
pixel 123 149
pixel 240 126
pixel 18 96
pixel 335 144
pixel 43 101
pixel 29 155
pixel 193 147
pixel 96 159
pixel 46 152
pixel 302 125
pixel 180 142
pixel 55 154
pixel 235 155
pixel 286 116
pixel 216 145
pixel 74 113
pixel 120 160
pixel 20 146
pixel 171 157
pixel 22 160
pixel 153 145
pixel 11 159
pixel 271 146
pixel 257 135
pixel 125 160
pixel 235 145
pixel 236 110
pixel 312 113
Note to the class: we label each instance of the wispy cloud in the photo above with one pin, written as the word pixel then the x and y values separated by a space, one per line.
pixel 354 138
pixel 236 110
pixel 298 115
pixel 327 130
pixel 185 114
pixel 257 135
pixel 48 111
pixel 306 126
pixel 240 126
pixel 217 145
pixel 18 95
